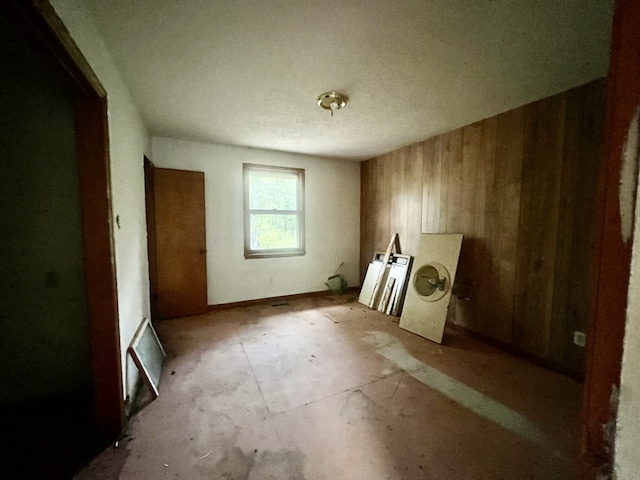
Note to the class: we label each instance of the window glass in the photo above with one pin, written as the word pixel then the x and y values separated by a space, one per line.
pixel 272 190
pixel 274 211
pixel 273 231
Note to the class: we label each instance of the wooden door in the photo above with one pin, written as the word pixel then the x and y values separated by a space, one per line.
pixel 180 250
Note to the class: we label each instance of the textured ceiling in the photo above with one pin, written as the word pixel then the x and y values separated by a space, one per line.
pixel 247 72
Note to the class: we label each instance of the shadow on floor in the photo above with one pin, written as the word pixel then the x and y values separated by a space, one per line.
pixel 51 438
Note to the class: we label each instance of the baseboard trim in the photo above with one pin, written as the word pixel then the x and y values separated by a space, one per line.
pixel 283 298
pixel 518 352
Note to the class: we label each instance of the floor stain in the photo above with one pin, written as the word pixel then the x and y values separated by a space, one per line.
pixel 236 465
pixel 357 406
pixel 392 349
pixel 239 465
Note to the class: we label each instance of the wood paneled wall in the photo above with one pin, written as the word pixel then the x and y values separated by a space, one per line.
pixel 521 187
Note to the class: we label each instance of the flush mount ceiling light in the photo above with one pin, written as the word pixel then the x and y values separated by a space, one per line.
pixel 332 101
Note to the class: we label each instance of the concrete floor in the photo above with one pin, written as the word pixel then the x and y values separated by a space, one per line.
pixel 324 388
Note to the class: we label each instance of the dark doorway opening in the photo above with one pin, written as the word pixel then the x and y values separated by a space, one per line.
pixel 56 412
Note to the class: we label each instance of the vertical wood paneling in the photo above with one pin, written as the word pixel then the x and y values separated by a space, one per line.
pixel 443 159
pixel 580 270
pixel 366 223
pixel 517 186
pixel 404 192
pixel 397 207
pixel 471 163
pixel 537 239
pixel 566 215
pixel 454 180
pixel 482 258
pixel 428 210
pixel 504 226
pixel 413 196
pixel 432 179
pixel 467 200
pixel 384 194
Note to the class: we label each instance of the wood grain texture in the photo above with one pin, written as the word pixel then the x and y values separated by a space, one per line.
pixel 92 134
pixel 181 272
pixel 521 188
pixel 607 328
pixel 502 227
pixel 538 225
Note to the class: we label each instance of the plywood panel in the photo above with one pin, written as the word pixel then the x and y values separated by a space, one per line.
pixel 516 186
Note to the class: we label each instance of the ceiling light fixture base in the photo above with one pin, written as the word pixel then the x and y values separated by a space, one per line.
pixel 332 101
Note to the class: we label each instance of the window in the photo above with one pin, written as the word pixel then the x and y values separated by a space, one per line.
pixel 273 211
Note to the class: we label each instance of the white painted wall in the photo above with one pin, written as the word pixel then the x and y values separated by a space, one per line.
pixel 128 142
pixel 627 447
pixel 332 220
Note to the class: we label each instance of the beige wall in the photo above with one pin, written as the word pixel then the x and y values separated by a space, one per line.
pixel 332 216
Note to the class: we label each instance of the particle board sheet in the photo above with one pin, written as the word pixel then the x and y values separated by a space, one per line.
pixel 366 292
pixel 421 315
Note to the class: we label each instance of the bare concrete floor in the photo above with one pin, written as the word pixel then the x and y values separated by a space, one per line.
pixel 324 388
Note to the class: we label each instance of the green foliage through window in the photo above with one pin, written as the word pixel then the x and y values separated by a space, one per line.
pixel 274 213
pixel 273 231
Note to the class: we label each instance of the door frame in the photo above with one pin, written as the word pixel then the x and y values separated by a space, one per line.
pixel 41 25
pixel 613 252
pixel 150 207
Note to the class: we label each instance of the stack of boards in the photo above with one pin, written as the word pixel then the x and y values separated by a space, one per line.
pixel 393 284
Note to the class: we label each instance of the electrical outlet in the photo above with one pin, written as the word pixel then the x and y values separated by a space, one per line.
pixel 579 338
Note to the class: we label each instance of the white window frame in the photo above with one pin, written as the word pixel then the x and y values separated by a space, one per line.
pixel 299 250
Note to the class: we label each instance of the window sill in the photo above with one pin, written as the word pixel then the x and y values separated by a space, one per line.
pixel 273 254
